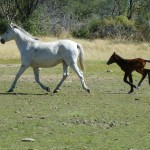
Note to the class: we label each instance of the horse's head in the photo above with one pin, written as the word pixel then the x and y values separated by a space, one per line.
pixel 112 59
pixel 9 34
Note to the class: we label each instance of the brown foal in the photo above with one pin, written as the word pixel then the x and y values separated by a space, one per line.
pixel 130 65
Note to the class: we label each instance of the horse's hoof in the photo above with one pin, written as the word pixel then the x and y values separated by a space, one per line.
pixel 130 92
pixel 139 87
pixel 48 89
pixel 88 90
pixel 10 90
pixel 55 91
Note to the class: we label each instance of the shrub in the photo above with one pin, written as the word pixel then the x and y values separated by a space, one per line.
pixel 83 32
pixel 143 30
pixel 114 28
pixel 3 25
pixel 107 28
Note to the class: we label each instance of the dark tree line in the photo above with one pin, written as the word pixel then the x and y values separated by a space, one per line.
pixel 81 18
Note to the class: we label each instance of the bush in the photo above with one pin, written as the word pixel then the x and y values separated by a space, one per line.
pixel 3 25
pixel 107 28
pixel 83 32
pixel 30 26
pixel 143 30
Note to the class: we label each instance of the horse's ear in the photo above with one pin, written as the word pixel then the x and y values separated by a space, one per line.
pixel 114 53
pixel 9 25
pixel 12 25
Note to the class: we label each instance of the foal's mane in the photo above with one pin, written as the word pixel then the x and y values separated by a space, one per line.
pixel 24 31
pixel 119 56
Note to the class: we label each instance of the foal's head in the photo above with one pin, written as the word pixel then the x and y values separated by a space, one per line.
pixel 114 57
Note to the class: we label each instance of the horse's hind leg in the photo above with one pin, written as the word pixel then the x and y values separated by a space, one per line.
pixel 65 75
pixel 130 83
pixel 145 72
pixel 36 75
pixel 80 75
pixel 20 72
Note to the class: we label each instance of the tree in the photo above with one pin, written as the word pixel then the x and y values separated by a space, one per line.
pixel 130 10
pixel 8 9
pixel 25 8
pixel 54 16
pixel 17 9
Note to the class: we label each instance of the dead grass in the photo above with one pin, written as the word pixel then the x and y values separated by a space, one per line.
pixel 94 49
pixel 9 51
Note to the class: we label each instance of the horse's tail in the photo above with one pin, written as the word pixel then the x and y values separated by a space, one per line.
pixel 147 71
pixel 81 54
pixel 149 77
pixel 147 60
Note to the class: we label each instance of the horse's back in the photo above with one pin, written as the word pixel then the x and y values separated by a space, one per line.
pixel 68 45
pixel 49 54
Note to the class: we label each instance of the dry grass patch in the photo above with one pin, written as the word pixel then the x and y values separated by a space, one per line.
pixel 9 51
pixel 94 49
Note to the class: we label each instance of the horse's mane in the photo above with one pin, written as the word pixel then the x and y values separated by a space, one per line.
pixel 24 31
pixel 119 56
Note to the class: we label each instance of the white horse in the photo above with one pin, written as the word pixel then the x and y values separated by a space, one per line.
pixel 38 54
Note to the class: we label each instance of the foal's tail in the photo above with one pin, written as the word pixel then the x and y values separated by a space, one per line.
pixel 147 60
pixel 147 71
pixel 81 54
pixel 149 77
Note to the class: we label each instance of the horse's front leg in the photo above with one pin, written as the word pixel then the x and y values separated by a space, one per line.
pixel 20 72
pixel 130 83
pixel 36 75
pixel 65 75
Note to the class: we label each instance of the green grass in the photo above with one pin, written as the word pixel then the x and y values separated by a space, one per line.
pixel 106 119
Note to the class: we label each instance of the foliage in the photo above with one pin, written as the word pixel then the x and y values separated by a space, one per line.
pixel 3 25
pixel 108 27
pixel 143 28
pixel 83 32
pixel 18 11
pixel 82 18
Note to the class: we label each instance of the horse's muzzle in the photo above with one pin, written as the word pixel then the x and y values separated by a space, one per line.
pixel 108 63
pixel 2 41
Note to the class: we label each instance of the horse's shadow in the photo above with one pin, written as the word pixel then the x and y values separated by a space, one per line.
pixel 17 93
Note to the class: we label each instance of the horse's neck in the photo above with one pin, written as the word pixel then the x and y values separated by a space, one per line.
pixel 20 44
pixel 120 61
pixel 22 41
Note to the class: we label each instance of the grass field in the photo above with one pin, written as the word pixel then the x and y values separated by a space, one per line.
pixel 106 119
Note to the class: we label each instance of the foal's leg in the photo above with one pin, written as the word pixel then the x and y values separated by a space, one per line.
pixel 131 81
pixel 20 72
pixel 145 72
pixel 65 75
pixel 126 81
pixel 80 75
pixel 36 75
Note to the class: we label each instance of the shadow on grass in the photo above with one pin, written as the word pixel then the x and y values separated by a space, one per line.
pixel 8 93
pixel 108 92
